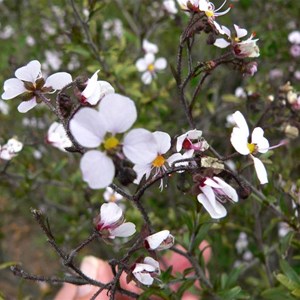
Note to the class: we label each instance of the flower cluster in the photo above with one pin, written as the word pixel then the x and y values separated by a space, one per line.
pixel 10 149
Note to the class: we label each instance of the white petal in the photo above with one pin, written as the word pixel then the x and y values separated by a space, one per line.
pixel 258 138
pixel 260 170
pixel 144 278
pixel 160 63
pixel 30 72
pixel 13 145
pixel 226 31
pixel 152 262
pixel 13 87
pixel 141 65
pixel 208 181
pixel 163 141
pixel 241 122
pixel 221 43
pixel 174 157
pixel 117 112
pixel 240 32
pixel 124 230
pixel 156 239
pixel 227 189
pixel 216 209
pixel 87 127
pixel 110 213
pixel 25 106
pixel 97 169
pixel 91 86
pixel 140 171
pixel 149 58
pixel 57 136
pixel 105 88
pixel 58 80
pixel 140 146
pixel 149 47
pixel 239 141
pixel 147 77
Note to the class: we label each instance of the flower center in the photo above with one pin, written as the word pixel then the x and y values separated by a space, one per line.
pixel 110 143
pixel 209 13
pixel 112 198
pixel 252 147
pixel 158 161
pixel 187 144
pixel 151 68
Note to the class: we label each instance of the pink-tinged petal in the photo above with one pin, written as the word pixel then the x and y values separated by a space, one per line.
pixel 208 181
pixel 147 77
pixel 258 138
pixel 117 112
pixel 91 86
pixel 87 127
pixel 240 32
pixel 124 230
pixel 221 43
pixel 241 122
pixel 239 141
pixel 226 31
pixel 141 65
pixel 140 146
pixel 13 87
pixel 110 213
pixel 149 47
pixel 152 262
pixel 227 189
pixel 149 58
pixel 260 169
pixel 191 134
pixel 144 278
pixel 25 106
pixel 216 210
pixel 160 64
pixel 140 171
pixel 58 80
pixel 97 169
pixel 156 239
pixel 163 141
pixel 30 72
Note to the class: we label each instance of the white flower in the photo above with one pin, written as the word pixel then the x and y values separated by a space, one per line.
pixel 294 37
pixel 4 108
pixel 144 272
pixel 92 128
pixel 239 140
pixel 246 48
pixel 161 240
pixel 149 47
pixel 95 90
pixel 170 7
pixel 191 141
pixel 149 66
pixel 10 149
pixel 110 222
pixel 148 155
pixel 242 242
pixel 112 28
pixel 111 196
pixel 215 191
pixel 58 137
pixel 29 82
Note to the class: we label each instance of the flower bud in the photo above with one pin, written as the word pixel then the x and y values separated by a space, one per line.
pixel 159 241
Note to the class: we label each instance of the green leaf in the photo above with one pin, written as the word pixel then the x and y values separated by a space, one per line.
pixel 8 264
pixel 288 283
pixel 230 294
pixel 296 292
pixel 277 293
pixel 289 272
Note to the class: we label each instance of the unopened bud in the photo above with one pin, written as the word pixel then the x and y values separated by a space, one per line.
pixel 291 132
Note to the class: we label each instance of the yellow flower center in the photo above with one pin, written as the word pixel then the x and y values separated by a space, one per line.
pixel 236 39
pixel 158 161
pixel 111 143
pixel 251 147
pixel 113 198
pixel 151 68
pixel 209 13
